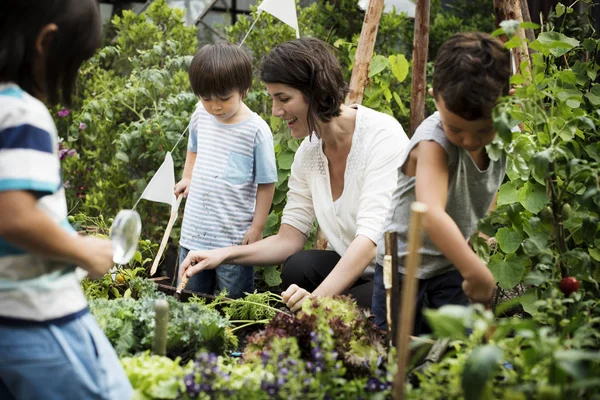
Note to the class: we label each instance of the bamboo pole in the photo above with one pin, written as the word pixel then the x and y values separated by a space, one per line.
pixel 364 52
pixel 163 243
pixel 419 72
pixel 387 284
pixel 409 290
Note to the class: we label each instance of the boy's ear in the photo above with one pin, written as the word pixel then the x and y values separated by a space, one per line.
pixel 43 37
pixel 512 91
pixel 430 91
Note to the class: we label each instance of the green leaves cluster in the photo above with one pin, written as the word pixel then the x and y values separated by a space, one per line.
pixel 129 325
pixel 546 223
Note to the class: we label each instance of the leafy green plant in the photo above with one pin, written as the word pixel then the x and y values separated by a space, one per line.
pixel 129 324
pixel 155 377
pixel 546 223
pixel 505 359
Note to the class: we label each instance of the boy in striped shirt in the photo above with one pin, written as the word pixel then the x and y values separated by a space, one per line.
pixel 230 172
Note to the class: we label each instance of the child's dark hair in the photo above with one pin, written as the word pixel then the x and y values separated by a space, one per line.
pixel 54 73
pixel 308 65
pixel 472 70
pixel 217 69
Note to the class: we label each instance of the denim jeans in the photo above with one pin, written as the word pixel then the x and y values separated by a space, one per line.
pixel 70 360
pixel 236 279
pixel 432 293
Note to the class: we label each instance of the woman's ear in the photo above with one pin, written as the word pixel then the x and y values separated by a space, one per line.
pixel 430 91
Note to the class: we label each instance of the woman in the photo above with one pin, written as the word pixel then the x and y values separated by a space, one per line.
pixel 343 175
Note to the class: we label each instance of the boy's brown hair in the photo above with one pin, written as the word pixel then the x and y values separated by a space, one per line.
pixel 217 69
pixel 472 70
pixel 308 65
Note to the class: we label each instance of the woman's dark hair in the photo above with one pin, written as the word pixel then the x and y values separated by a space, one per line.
pixel 472 70
pixel 77 38
pixel 217 69
pixel 308 65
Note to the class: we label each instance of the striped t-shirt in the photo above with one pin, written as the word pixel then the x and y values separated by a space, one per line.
pixel 231 160
pixel 33 287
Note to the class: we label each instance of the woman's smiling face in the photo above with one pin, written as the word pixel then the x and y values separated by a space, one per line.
pixel 290 105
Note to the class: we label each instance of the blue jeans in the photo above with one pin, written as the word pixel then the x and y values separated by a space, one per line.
pixel 236 279
pixel 432 293
pixel 70 360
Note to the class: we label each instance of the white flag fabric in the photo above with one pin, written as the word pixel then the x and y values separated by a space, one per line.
pixel 284 10
pixel 160 188
pixel 406 6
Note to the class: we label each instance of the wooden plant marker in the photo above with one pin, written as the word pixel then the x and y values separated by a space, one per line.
pixel 387 284
pixel 409 289
pixel 161 318
pixel 165 238
pixel 391 249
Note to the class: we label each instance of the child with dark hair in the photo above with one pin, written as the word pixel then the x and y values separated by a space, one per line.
pixel 343 176
pixel 50 345
pixel 230 173
pixel 447 168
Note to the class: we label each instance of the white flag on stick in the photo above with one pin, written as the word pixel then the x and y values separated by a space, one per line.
pixel 284 10
pixel 160 188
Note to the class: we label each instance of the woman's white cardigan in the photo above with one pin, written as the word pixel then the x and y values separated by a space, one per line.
pixel 378 144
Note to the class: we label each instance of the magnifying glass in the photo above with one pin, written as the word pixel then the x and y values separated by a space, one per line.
pixel 124 235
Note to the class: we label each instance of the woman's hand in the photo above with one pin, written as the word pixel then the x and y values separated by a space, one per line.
pixel 294 296
pixel 197 261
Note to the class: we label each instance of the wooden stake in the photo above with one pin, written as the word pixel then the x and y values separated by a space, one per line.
pixel 409 289
pixel 511 9
pixel 419 72
pixel 165 238
pixel 391 249
pixel 387 284
pixel 364 52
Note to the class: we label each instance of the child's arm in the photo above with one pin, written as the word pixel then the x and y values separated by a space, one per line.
pixel 432 189
pixel 183 186
pixel 264 198
pixel 29 228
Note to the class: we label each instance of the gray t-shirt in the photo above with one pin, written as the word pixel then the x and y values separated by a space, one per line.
pixel 470 194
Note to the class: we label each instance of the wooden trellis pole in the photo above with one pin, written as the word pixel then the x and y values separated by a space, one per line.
pixel 511 9
pixel 419 72
pixel 364 52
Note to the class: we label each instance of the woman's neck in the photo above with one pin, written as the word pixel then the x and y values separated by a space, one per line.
pixel 338 132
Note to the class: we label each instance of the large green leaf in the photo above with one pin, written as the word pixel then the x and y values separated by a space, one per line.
pixel 479 369
pixel 507 272
pixel 399 66
pixel 508 239
pixel 533 197
pixel 508 194
pixel 378 64
pixel 553 43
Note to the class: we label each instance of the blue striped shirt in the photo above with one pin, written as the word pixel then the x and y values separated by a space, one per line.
pixel 33 287
pixel 231 160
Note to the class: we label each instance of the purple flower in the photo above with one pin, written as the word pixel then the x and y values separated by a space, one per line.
pixel 71 152
pixel 64 112
pixel 82 126
pixel 62 154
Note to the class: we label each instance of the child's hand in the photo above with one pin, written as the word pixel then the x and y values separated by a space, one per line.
pixel 98 256
pixel 294 296
pixel 253 235
pixel 183 186
pixel 480 287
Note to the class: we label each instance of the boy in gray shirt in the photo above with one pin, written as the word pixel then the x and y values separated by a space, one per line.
pixel 446 166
